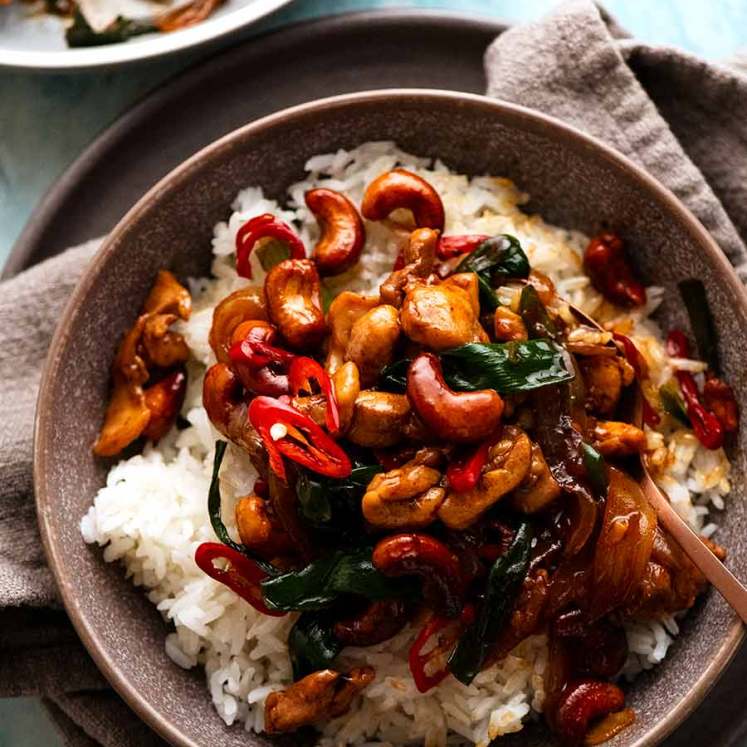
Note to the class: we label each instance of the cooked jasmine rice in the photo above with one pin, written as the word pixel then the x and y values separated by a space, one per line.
pixel 152 514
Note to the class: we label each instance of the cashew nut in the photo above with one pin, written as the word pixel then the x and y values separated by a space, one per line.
pixel 372 341
pixel 259 529
pixel 508 464
pixel 380 419
pixel 294 302
pixel 242 305
pixel 347 384
pixel 402 189
pixel 378 622
pixel 343 313
pixel 343 235
pixel 453 416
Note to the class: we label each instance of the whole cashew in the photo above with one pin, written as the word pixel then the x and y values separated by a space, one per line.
pixel 242 305
pixel 343 313
pixel 259 529
pixel 452 416
pixel 380 419
pixel 294 302
pixel 372 341
pixel 508 464
pixel 343 235
pixel 402 189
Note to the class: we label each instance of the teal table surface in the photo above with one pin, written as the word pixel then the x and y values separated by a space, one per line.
pixel 46 120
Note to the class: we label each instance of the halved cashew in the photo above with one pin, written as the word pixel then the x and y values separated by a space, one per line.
pixel 347 384
pixel 419 256
pixel 242 305
pixel 380 419
pixel 320 696
pixel 259 529
pixel 614 439
pixel 343 235
pixel 372 341
pixel 398 189
pixel 440 316
pixel 343 313
pixel 408 496
pixel 508 464
pixel 539 488
pixel 508 326
pixel 294 301
pixel 453 416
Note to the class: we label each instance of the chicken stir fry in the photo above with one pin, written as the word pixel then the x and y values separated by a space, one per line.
pixel 432 456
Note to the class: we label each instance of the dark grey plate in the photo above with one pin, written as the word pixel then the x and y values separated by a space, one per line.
pixel 356 52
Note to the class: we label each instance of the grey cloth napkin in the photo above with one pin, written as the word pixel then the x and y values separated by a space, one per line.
pixel 680 118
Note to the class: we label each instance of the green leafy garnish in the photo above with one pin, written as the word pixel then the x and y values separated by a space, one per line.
pixel 312 644
pixel 214 511
pixel 518 366
pixel 672 402
pixel 495 260
pixel 701 321
pixel 327 503
pixel 80 34
pixel 320 583
pixel 504 583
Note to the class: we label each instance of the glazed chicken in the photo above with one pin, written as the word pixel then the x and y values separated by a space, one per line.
pixel 436 455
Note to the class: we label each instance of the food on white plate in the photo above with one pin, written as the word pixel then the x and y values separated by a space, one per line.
pixel 397 502
pixel 90 23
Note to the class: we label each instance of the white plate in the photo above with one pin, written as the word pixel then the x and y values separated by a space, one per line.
pixel 36 41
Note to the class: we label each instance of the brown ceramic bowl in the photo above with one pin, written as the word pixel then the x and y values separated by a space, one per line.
pixel 574 181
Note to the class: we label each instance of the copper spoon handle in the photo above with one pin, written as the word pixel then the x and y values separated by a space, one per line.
pixel 710 566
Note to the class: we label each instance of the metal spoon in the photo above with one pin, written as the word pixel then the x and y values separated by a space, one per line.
pixel 725 582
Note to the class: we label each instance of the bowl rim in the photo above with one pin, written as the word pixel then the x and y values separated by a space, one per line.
pixel 121 53
pixel 531 120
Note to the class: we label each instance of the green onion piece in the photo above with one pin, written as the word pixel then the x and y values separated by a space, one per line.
pixel 534 314
pixel 596 468
pixel 272 252
pixel 701 321
pixel 672 402
pixel 312 644
pixel 504 584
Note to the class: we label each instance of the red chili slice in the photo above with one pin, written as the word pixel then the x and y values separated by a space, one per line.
pixel 241 575
pixel 264 226
pixel 463 474
pixel 706 425
pixel 305 442
pixel 302 372
pixel 419 661
pixel 650 417
pixel 453 246
pixel 610 272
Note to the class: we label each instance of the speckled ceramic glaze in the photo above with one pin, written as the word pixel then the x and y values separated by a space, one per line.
pixel 573 181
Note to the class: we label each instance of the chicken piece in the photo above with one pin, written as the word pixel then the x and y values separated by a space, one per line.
pixel 615 439
pixel 372 341
pixel 419 257
pixel 408 496
pixel 508 464
pixel 319 696
pixel 508 326
pixel 346 309
pixel 440 317
pixel 380 419
pixel 539 488
pixel 671 581
pixel 603 377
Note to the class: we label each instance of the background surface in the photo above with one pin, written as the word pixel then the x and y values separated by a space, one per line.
pixel 46 120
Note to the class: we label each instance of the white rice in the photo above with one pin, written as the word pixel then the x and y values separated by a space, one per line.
pixel 152 514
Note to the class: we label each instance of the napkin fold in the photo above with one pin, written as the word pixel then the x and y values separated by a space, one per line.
pixel 679 117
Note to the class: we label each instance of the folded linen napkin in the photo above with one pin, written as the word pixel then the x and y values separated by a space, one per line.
pixel 677 116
